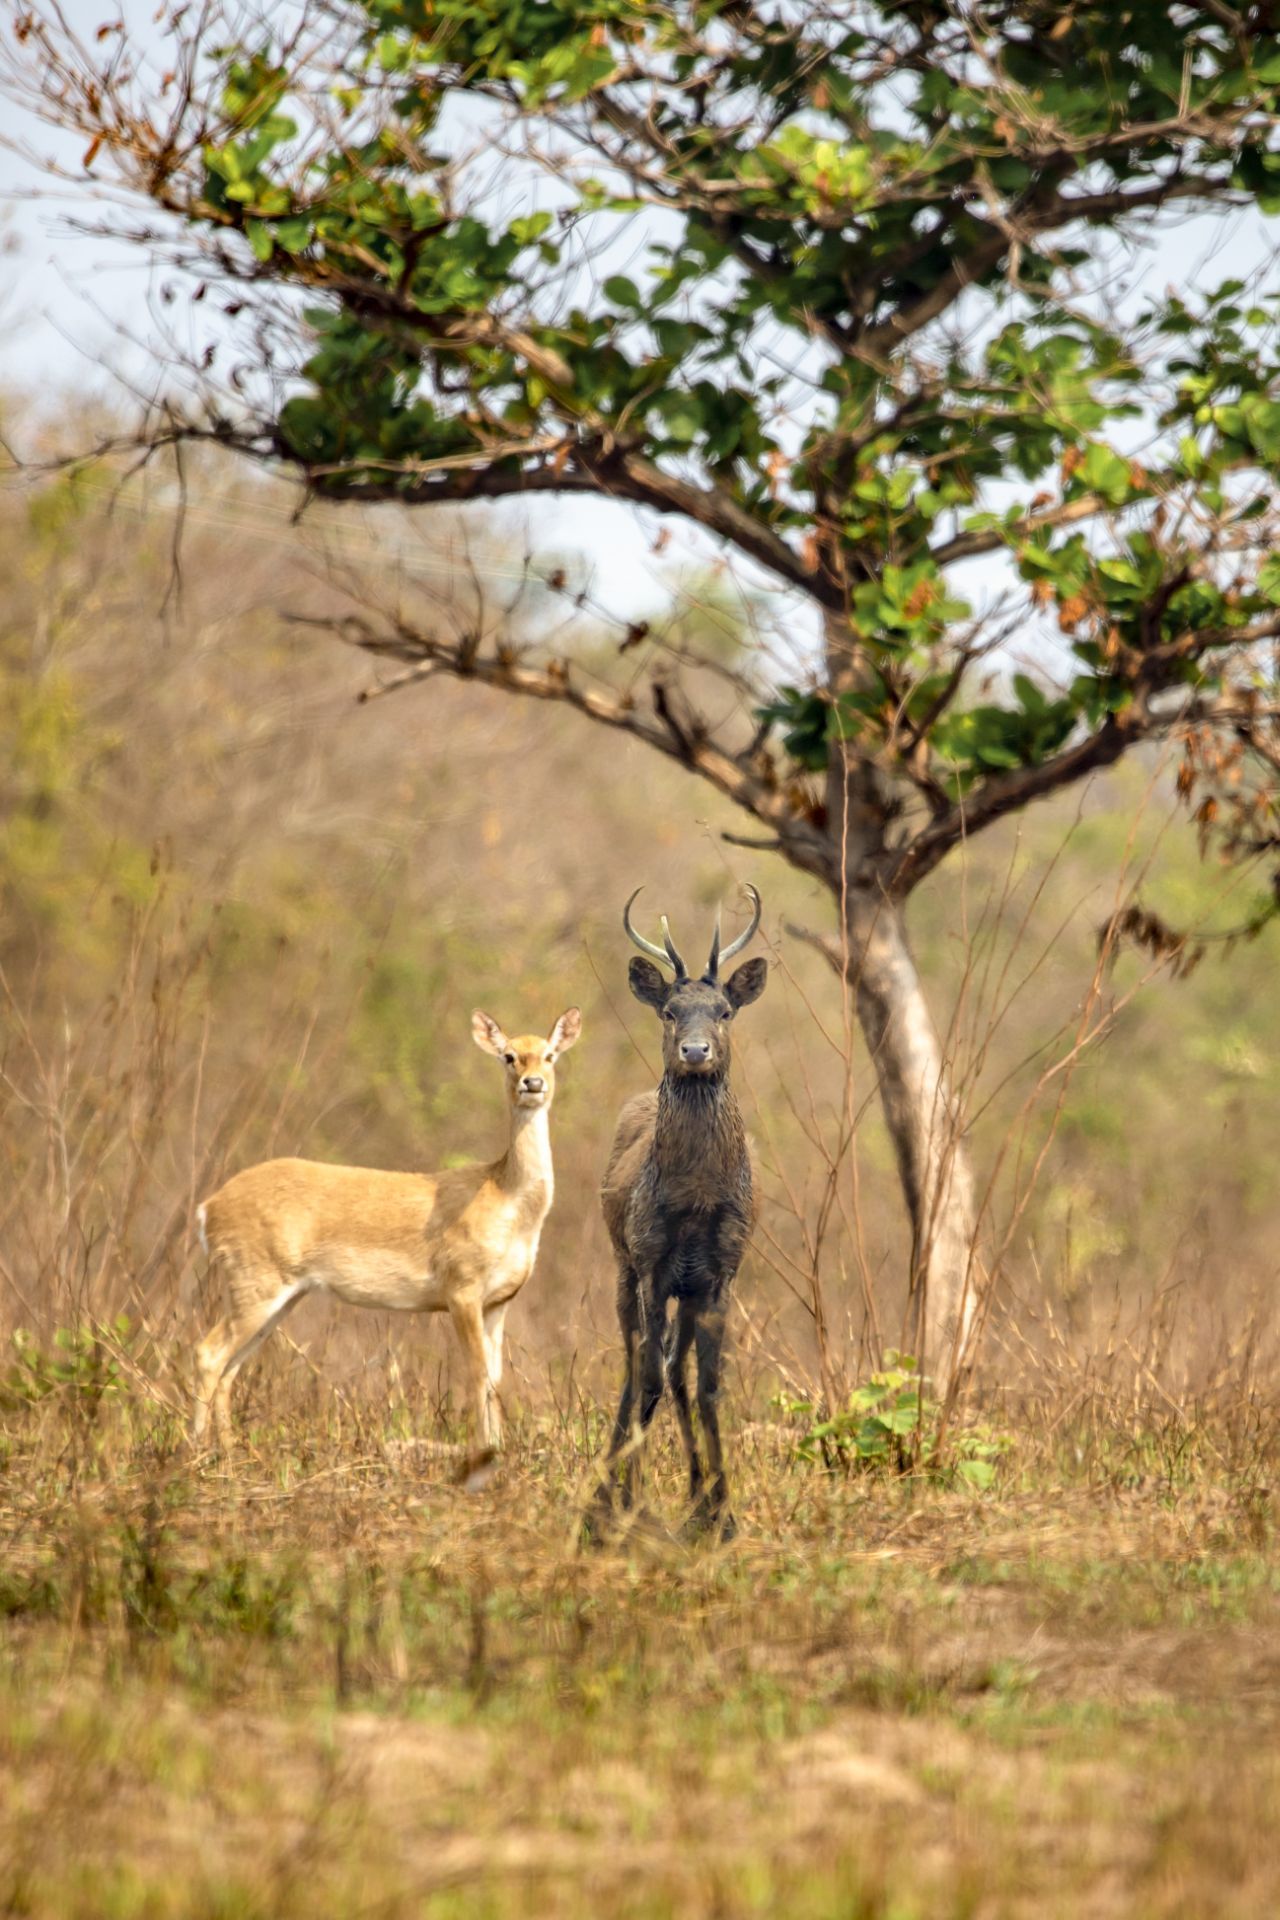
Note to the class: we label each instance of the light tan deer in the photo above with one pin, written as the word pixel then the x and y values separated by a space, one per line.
pixel 462 1242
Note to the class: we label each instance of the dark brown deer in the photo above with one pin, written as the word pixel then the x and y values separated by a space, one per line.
pixel 679 1202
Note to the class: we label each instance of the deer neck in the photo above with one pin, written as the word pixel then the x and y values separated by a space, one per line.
pixel 526 1168
pixel 699 1128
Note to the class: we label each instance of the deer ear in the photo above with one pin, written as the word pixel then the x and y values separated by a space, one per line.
pixel 487 1034
pixel 566 1030
pixel 647 983
pixel 748 983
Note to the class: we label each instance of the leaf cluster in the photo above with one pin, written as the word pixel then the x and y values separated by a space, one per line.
pixel 82 1365
pixel 890 1421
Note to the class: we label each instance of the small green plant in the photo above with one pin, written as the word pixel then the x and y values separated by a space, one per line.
pixel 82 1364
pixel 879 1426
pixel 891 1421
pixel 975 1452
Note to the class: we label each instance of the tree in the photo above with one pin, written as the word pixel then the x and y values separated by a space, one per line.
pixel 833 282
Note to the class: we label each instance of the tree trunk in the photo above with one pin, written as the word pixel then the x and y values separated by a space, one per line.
pixel 915 1086
pixel 920 1112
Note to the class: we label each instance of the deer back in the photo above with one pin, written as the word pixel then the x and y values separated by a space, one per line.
pixel 371 1237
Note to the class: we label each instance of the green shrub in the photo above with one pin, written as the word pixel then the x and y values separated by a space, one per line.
pixel 891 1422
pixel 82 1364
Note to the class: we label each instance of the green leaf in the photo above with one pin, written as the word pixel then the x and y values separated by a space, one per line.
pixel 1029 694
pixel 623 292
pixel 1261 417
pixel 531 227
pixel 1106 473
pixel 976 1473
pixel 293 235
pixel 682 416
pixel 803 718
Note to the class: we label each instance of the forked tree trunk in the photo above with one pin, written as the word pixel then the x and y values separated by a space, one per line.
pixel 920 1112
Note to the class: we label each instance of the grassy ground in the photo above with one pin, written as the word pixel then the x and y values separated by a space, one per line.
pixel 331 1682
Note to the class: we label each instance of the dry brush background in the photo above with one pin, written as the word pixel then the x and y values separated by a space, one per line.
pixel 241 914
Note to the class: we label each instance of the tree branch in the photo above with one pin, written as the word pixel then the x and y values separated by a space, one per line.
pixel 719 513
pixel 1240 708
pixel 1006 793
pixel 689 745
pixel 1031 218
pixel 988 539
pixel 824 943
pixel 476 482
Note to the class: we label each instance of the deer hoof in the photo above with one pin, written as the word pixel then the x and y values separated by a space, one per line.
pixel 706 1523
pixel 597 1525
pixel 476 1473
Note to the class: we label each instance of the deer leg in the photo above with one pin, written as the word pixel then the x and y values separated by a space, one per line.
pixel 622 1419
pixel 646 1378
pixel 211 1355
pixel 223 1352
pixel 709 1343
pixel 629 1322
pixel 468 1324
pixel 653 1371
pixel 629 1312
pixel 494 1326
pixel 681 1340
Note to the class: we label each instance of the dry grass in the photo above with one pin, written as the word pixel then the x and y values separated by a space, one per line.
pixel 331 1682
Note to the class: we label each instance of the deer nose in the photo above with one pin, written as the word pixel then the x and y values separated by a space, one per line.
pixel 694 1051
pixel 533 1083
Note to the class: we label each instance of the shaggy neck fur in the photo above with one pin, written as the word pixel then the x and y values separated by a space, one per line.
pixel 699 1134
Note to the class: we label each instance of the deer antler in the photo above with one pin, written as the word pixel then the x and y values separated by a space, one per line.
pixel 735 946
pixel 669 956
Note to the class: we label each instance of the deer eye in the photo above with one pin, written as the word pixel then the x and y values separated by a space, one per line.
pixel 668 1015
pixel 510 1059
pixel 727 1014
